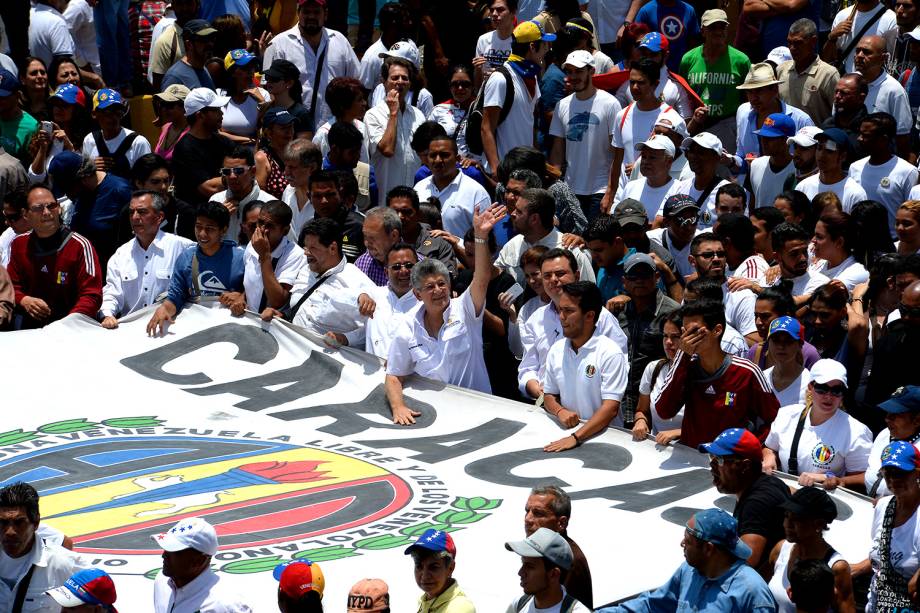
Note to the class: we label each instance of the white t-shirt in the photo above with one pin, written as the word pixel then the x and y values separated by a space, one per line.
pixel 806 284
pixel 6 241
pixel 290 259
pixel 732 342
pixel 839 445
pixel 889 183
pixel 608 16
pixel 450 117
pixel 849 191
pixel 495 49
pixel 886 22
pixel 531 607
pixel 753 267
pixel 79 16
pixel 739 309
pixel 667 90
pixel 651 197
pixel 587 127
pixel 875 464
pixel 904 547
pixel 794 393
pixel 634 126
pixel 765 183
pixel 652 389
pixel 681 256
pixel 140 146
pixel 49 34
pixel 583 380
pixel 517 129
pixel 708 209
pixel 601 62
pixel 242 119
pixel 850 272
pixel 887 95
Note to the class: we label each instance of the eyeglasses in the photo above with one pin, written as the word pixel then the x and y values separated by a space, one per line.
pixel 400 265
pixel 39 208
pixel 238 171
pixel 831 390
pixel 908 311
pixel 465 84
pixel 708 255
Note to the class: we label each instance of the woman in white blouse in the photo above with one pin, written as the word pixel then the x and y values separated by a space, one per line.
pixel 833 250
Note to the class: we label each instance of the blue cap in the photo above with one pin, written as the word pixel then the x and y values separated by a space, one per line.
pixel 901 454
pixel 834 135
pixel 719 528
pixel 64 166
pixel 777 125
pixel 104 98
pixel 789 325
pixel 9 84
pixel 434 540
pixel 70 93
pixel 238 57
pixel 735 441
pixel 905 399
pixel 654 42
pixel 277 116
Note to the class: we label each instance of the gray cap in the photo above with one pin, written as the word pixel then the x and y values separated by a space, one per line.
pixel 636 259
pixel 629 211
pixel 544 543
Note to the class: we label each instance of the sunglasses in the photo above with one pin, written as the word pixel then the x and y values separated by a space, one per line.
pixel 908 311
pixel 721 460
pixel 831 390
pixel 39 208
pixel 461 83
pixel 399 266
pixel 238 171
pixel 708 255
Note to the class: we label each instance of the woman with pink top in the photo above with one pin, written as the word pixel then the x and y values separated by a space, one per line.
pixel 170 107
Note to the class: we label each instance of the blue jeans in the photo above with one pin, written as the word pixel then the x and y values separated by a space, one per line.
pixel 114 39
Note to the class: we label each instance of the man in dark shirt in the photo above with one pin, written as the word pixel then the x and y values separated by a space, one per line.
pixel 197 158
pixel 735 459
pixel 404 200
pixel 326 197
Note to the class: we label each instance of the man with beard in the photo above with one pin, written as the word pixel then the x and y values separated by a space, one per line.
pixel 790 243
pixel 894 363
pixel 735 460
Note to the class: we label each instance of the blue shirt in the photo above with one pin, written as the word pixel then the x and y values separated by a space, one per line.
pixel 610 282
pixel 552 90
pixel 678 23
pixel 746 120
pixel 218 273
pixel 183 74
pixel 212 9
pixel 99 212
pixel 739 589
pixel 371 177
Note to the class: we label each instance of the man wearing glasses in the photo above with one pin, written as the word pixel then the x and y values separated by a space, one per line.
pixel 384 306
pixel 239 176
pixel 680 213
pixel 55 272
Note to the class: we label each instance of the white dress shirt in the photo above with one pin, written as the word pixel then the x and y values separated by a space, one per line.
pixel 382 327
pixel 49 34
pixel 509 258
pixel 330 307
pixel 300 215
pixel 206 593
pixel 236 219
pixel 53 566
pixel 136 277
pixel 457 201
pixel 400 168
pixel 289 260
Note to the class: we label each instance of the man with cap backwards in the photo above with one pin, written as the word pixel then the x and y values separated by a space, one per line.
pixel 300 586
pixel 769 172
pixel 714 577
pixel 832 155
pixel 545 560
pixel 113 147
pixel 582 125
pixel 655 182
pixel 804 149
pixel 902 418
pixel 187 584
pixel 198 157
pixel 369 595
pixel 704 154
pixel 86 591
pixel 190 70
pixel 321 55
pixel 434 556
pixel 735 461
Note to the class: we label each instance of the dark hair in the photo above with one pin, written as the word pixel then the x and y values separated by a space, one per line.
pixel 345 136
pixel 704 237
pixel 838 225
pixel 604 228
pixel 771 215
pixel 541 203
pixel 146 165
pixel 831 294
pixel 588 295
pixel 462 68
pixel 559 252
pixel 279 211
pixel 811 585
pixel 242 152
pixel 648 67
pixel 327 231
pixel 533 255
pixel 737 229
pixel 21 494
pixel 324 176
pixel 491 242
pixel 733 190
pixel 391 61
pixel 430 213
pixel 524 157
pixel 348 184
pixel 423 134
pixel 706 289
pixel 341 94
pixel 391 14
pixel 882 269
pixel 783 303
pixel 15 199
pixel 310 602
pixel 802 208
pixel 446 138
pixel 404 191
pixel 521 49
pixel 908 265
pixel 883 122
pixel 296 91
pixel 674 317
pixel 712 312
pixel 870 223
pixel 231 34
pixel 785 232
pixel 216 212
pixel 55 64
pixel 401 246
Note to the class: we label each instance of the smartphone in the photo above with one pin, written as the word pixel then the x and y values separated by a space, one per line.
pixel 48 128
pixel 514 292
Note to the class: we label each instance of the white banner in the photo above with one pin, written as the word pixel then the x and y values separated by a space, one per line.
pixel 287 447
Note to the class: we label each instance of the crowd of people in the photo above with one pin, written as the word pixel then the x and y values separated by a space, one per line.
pixel 648 214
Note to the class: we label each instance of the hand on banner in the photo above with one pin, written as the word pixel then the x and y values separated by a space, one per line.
pixel 270 313
pixel 235 301
pixel 667 436
pixel 159 322
pixel 36 308
pixel 335 340
pixel 640 428
pixel 563 444
pixel 568 419
pixel 109 323
pixel 404 416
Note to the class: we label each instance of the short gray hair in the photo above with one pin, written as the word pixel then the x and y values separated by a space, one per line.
pixel 429 267
pixel 528 177
pixel 387 216
pixel 87 168
pixel 305 151
pixel 804 27
pixel 157 200
pixel 561 504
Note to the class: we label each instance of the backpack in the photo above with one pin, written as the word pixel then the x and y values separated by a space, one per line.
pixel 568 603
pixel 473 120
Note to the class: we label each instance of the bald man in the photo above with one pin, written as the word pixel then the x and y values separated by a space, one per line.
pixel 885 93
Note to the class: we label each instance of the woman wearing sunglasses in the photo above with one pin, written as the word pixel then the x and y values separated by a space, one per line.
pixel 451 113
pixel 818 441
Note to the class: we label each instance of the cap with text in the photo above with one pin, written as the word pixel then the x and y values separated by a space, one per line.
pixel 90 586
pixel 805 137
pixel 297 577
pixel 905 399
pixel 368 595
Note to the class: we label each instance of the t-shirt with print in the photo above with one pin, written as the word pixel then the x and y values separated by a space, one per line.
pixel 677 23
pixel 587 126
pixel 716 83
pixel 494 48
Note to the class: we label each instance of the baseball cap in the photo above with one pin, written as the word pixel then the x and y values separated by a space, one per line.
pixel 678 202
pixel 707 140
pixel 192 533
pixel 64 166
pixel 915 33
pixel 777 125
pixel 834 139
pixel 174 93
pixel 284 70
pixel 679 126
pixel 104 98
pixel 660 142
pixel 89 586
pixel 636 259
pixel 805 137
pixel 403 49
pixel 789 325
pixel 760 75
pixel 544 543
pixel 9 84
pixel 297 577
pixel 905 399
pixel 580 25
pixel 713 16
pixel 654 42
pixel 901 454
pixel 70 94
pixel 277 116
pixel 368 595
pixel 579 59
pixel 735 441
pixel 719 528
pixel 201 98
pixel 779 55
pixel 827 370
pixel 531 32
pixel 811 502
pixel 238 57
pixel 198 28
pixel 434 540
pixel 630 211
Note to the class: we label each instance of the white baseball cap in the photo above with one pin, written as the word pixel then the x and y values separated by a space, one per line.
pixel 192 533
pixel 404 49
pixel 805 137
pixel 779 55
pixel 678 126
pixel 825 371
pixel 660 142
pixel 707 140
pixel 915 33
pixel 579 59
pixel 201 98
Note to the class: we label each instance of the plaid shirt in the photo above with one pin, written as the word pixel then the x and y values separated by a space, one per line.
pixel 372 268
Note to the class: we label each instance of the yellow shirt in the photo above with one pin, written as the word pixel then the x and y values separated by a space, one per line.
pixel 452 600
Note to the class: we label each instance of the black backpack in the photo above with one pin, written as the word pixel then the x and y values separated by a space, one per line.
pixel 473 120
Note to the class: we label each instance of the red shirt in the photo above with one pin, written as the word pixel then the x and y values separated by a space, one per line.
pixel 735 396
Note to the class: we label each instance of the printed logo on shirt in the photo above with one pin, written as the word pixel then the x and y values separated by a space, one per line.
pixel 579 124
pixel 710 390
pixel 497 57
pixel 822 455
pixel 44 268
pixel 730 399
pixel 671 27
pixel 210 284
pixel 885 182
pixel 590 371
pixel 61 278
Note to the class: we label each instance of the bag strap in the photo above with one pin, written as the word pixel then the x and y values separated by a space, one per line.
pixel 568 603
pixel 21 591
pixel 509 95
pixel 289 316
pixel 316 78
pixel 793 467
pixel 125 144
pixel 625 114
pixel 862 31
pixel 100 144
pixel 705 193
pixel 264 301
pixel 522 602
pixel 195 273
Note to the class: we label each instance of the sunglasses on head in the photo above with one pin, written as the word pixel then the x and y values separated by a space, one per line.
pixel 831 390
pixel 239 171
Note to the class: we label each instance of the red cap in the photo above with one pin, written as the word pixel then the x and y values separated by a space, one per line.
pixel 298 577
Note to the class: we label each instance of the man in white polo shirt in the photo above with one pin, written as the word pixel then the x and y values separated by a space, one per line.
pixel 886 94
pixel 654 185
pixel 833 149
pixel 585 371
pixel 385 305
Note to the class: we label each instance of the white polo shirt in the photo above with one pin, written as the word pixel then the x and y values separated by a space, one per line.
pixel 543 329
pixel 889 183
pixel 887 95
pixel 454 357
pixel 388 316
pixel 849 272
pixel 289 260
pixel 457 201
pixel 849 191
pixel 206 593
pixel 583 380
pixel 399 169
pixel 300 215
pixel 517 129
pixel 139 146
pixel 136 277
pixel 49 34
pixel 340 61
pixel 509 258
pixel 236 219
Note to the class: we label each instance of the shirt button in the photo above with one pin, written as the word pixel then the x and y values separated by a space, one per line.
pixel 145 272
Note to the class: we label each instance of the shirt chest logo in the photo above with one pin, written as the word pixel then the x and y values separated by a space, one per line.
pixel 590 371
pixel 885 182
pixel 711 391
pixel 823 454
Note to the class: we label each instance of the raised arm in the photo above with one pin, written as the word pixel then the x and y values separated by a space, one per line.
pixel 483 222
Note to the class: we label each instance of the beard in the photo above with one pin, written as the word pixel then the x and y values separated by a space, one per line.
pixel 311 29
